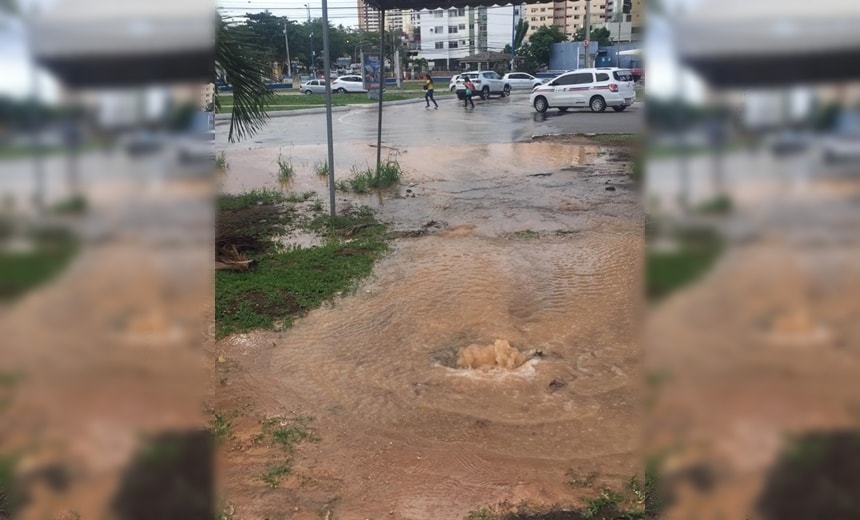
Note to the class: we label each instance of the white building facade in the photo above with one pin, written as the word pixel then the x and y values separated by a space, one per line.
pixel 450 34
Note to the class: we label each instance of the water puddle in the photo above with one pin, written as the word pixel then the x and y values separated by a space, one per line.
pixel 478 352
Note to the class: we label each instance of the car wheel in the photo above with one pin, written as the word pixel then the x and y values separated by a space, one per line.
pixel 540 104
pixel 506 91
pixel 341 90
pixel 485 93
pixel 536 85
pixel 597 104
pixel 307 92
pixel 563 109
pixel 619 108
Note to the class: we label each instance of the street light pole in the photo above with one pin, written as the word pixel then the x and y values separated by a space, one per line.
pixel 587 28
pixel 287 47
pixel 311 40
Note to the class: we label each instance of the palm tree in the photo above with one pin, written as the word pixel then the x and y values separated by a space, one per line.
pixel 245 73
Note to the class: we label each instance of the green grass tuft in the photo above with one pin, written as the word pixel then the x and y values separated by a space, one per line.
pixel 22 271
pixel 272 476
pixel 363 181
pixel 285 169
pixel 321 168
pixel 696 252
pixel 262 197
pixel 221 426
pixel 221 161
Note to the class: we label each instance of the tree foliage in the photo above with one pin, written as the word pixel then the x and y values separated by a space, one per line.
pixel 536 52
pixel 601 35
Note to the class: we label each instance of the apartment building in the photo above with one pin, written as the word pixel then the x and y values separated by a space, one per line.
pixel 450 34
pixel 368 17
pixel 570 15
pixel 567 14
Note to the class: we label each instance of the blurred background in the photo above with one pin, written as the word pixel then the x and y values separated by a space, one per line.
pixel 751 193
pixel 106 160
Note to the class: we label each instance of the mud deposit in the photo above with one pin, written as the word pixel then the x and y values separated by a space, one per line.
pixel 544 263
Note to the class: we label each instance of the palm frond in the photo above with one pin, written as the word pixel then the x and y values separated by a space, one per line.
pixel 245 73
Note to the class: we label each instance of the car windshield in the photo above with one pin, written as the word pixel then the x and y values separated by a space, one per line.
pixel 622 75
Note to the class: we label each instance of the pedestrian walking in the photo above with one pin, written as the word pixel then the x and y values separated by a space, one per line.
pixel 467 98
pixel 428 92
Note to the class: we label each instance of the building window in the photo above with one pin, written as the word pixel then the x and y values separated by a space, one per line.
pixel 462 42
pixel 452 12
pixel 462 27
pixel 542 9
pixel 438 29
pixel 452 29
pixel 534 18
pixel 461 11
pixel 534 9
pixel 440 45
pixel 543 18
pixel 439 13
pixel 576 17
pixel 452 45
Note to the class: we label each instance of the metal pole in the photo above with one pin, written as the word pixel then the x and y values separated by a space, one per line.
pixel 311 40
pixel 328 123
pixel 618 43
pixel 35 122
pixel 513 35
pixel 381 85
pixel 287 47
pixel 587 28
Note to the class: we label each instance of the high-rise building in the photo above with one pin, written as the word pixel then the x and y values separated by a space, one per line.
pixel 450 34
pixel 567 14
pixel 625 26
pixel 368 17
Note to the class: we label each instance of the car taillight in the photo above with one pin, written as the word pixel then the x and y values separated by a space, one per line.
pixel 613 87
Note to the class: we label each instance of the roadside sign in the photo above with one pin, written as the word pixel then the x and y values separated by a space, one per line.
pixel 371 71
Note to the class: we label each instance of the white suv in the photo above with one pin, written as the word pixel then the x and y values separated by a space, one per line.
pixel 487 83
pixel 594 88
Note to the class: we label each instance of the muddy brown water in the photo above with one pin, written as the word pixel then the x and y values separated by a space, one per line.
pixel 404 434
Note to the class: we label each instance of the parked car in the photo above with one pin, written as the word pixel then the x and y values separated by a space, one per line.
pixel 595 88
pixel 521 81
pixel 843 144
pixel 452 84
pixel 314 86
pixel 345 84
pixel 487 83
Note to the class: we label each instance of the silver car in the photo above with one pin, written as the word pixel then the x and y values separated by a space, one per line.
pixel 314 86
pixel 521 81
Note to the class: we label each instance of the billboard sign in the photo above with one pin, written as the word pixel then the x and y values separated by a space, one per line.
pixel 371 71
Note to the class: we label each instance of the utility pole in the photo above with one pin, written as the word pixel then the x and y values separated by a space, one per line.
pixel 311 41
pixel 287 47
pixel 587 28
pixel 513 36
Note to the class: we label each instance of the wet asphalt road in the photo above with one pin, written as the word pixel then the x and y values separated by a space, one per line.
pixel 492 121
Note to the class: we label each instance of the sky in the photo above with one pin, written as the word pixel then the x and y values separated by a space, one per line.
pixel 340 12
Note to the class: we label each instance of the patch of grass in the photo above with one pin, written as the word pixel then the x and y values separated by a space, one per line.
pixel 300 197
pixel 289 433
pixel 21 271
pixel 74 205
pixel 286 284
pixel 318 205
pixel 525 234
pixel 628 139
pixel 606 501
pixel 666 271
pixel 272 476
pixel 251 198
pixel 719 205
pixel 321 168
pixel 10 500
pixel 286 171
pixel 221 161
pixel 221 426
pixel 362 181
pixel 481 514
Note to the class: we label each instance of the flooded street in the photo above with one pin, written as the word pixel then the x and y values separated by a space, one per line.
pixel 520 242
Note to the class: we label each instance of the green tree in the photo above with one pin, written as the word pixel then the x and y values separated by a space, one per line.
pixel 536 53
pixel 601 35
pixel 520 32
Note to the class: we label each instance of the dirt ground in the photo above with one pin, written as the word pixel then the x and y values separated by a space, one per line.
pixel 531 248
